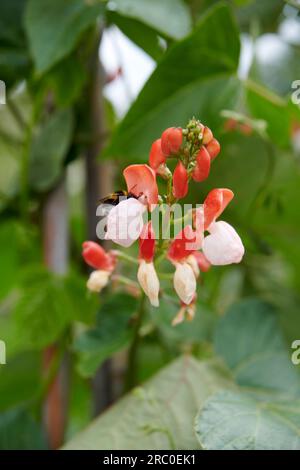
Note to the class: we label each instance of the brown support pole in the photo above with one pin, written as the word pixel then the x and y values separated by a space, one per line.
pixel 56 243
pixel 98 178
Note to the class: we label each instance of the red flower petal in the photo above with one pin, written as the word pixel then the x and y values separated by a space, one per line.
pixel 96 257
pixel 180 181
pixel 184 244
pixel 171 140
pixel 147 243
pixel 213 148
pixel 202 168
pixel 156 156
pixel 215 203
pixel 141 181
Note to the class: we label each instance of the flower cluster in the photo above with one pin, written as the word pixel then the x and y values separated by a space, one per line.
pixel 201 242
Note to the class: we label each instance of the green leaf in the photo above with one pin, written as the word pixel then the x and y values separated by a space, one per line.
pixel 49 148
pixel 54 28
pixel 141 34
pixel 43 310
pixel 14 60
pixel 271 108
pixel 112 333
pixel 18 431
pixel 249 339
pixel 158 415
pixel 170 17
pixel 19 378
pixel 236 421
pixel 187 81
pixel 66 79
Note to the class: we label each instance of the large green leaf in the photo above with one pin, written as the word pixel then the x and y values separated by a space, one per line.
pixel 158 415
pixel 236 421
pixel 19 431
pixel 49 148
pixel 112 333
pixel 249 339
pixel 265 412
pixel 138 32
pixel 47 304
pixel 271 108
pixel 187 81
pixel 54 28
pixel 170 17
pixel 13 54
pixel 19 378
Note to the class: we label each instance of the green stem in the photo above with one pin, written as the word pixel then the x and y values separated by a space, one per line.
pixel 130 381
pixel 124 257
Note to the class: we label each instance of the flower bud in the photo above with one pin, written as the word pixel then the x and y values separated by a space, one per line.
pixel 98 280
pixel 184 282
pixel 156 156
pixel 171 140
pixel 207 135
pixel 213 148
pixel 149 281
pixel 180 181
pixel 96 257
pixel 202 167
pixel 147 243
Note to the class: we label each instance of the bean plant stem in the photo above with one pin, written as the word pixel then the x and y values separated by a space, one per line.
pixel 130 381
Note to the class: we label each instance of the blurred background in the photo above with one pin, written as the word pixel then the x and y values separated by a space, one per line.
pixel 89 85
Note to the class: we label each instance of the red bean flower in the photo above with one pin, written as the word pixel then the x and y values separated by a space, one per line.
pixel 223 246
pixel 125 220
pixel 146 274
pixel 180 254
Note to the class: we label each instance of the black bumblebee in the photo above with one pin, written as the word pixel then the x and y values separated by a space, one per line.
pixel 113 199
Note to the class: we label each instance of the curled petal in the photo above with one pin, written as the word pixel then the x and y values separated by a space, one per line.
pixel 180 181
pixel 96 257
pixel 223 245
pixel 98 280
pixel 141 181
pixel 192 261
pixel 156 156
pixel 184 282
pixel 202 167
pixel 147 242
pixel 149 281
pixel 185 312
pixel 203 263
pixel 184 244
pixel 125 222
pixel 215 203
